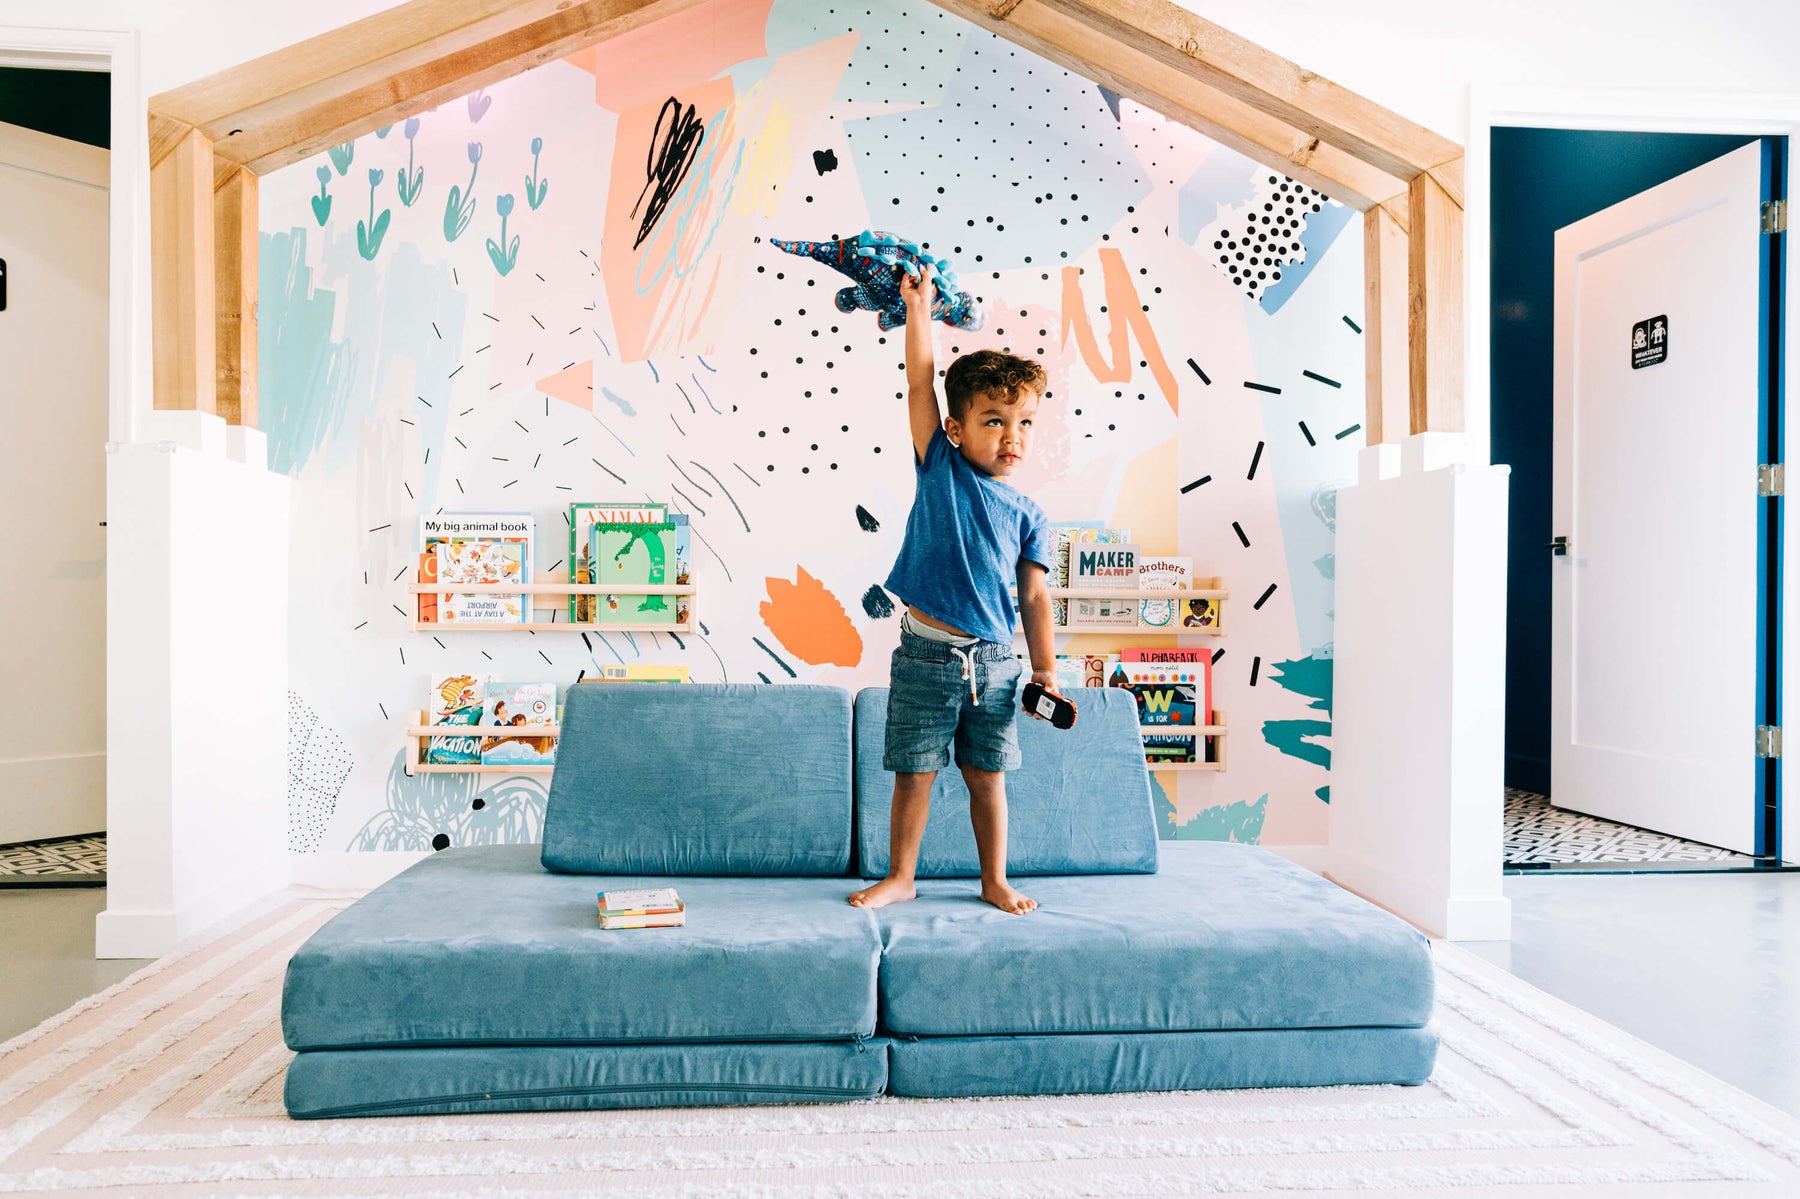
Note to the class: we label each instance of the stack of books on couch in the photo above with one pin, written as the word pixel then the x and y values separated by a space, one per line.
pixel 655 907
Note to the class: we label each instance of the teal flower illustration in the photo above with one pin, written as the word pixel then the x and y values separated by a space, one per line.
pixel 341 156
pixel 321 203
pixel 503 255
pixel 368 236
pixel 460 205
pixel 535 188
pixel 412 179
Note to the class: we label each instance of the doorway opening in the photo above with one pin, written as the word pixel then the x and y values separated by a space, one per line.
pixel 1545 179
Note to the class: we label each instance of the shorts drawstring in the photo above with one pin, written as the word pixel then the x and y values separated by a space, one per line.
pixel 967 662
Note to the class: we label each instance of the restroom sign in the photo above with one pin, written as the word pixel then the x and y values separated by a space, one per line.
pixel 1649 342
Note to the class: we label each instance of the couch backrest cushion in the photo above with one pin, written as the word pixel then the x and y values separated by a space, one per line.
pixel 722 779
pixel 1079 804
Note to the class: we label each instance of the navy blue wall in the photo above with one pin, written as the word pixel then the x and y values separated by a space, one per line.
pixel 71 104
pixel 1544 179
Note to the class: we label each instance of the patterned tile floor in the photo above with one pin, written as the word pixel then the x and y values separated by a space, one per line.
pixel 71 861
pixel 1537 832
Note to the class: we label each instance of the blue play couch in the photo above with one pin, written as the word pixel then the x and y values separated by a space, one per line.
pixel 479 980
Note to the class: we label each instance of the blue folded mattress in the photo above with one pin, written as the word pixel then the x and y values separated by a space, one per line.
pixel 483 946
pixel 1222 937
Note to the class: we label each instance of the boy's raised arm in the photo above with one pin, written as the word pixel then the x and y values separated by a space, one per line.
pixel 921 370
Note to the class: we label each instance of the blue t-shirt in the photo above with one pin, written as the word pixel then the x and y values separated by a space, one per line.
pixel 964 538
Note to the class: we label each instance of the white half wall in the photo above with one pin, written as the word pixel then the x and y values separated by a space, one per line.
pixel 197 639
pixel 1418 696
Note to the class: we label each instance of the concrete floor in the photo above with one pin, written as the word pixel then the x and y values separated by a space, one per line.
pixel 1703 966
pixel 1706 967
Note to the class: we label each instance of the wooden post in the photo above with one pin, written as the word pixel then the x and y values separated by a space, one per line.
pixel 234 282
pixel 1435 294
pixel 181 275
pixel 1388 397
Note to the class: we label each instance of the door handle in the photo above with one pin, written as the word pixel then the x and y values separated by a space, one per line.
pixel 1559 546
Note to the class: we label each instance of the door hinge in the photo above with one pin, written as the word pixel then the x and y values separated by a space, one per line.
pixel 1768 741
pixel 1774 216
pixel 1771 479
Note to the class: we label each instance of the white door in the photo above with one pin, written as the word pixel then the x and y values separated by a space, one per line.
pixel 53 400
pixel 1659 429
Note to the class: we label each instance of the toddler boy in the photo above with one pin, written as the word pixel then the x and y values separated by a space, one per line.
pixel 955 679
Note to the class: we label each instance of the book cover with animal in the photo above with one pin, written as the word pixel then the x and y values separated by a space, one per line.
pixel 481 561
pixel 636 552
pixel 582 518
pixel 507 528
pixel 510 705
pixel 428 600
pixel 1163 572
pixel 455 699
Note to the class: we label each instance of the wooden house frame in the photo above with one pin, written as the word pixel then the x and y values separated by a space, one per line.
pixel 211 139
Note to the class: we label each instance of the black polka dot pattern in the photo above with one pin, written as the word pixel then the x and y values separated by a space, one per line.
pixel 1253 244
pixel 318 763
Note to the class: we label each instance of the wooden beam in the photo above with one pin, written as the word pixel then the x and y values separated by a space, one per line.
pixel 290 105
pixel 234 284
pixel 181 275
pixel 1265 81
pixel 1449 176
pixel 165 134
pixel 1388 397
pixel 1435 308
pixel 1180 96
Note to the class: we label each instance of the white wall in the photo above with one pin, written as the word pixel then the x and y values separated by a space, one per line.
pixel 53 398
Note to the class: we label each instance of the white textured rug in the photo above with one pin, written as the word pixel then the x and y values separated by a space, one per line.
pixel 170 1083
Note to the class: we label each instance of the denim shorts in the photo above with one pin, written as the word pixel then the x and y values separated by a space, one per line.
pixel 931 706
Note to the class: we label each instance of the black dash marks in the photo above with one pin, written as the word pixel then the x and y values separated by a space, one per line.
pixel 1239 530
pixel 1307 433
pixel 1274 391
pixel 1264 597
pixel 1202 480
pixel 1199 372
pixel 1321 379
pixel 1347 432
pixel 1353 324
pixel 877 603
pixel 867 520
pixel 1217 654
pixel 1254 459
pixel 1255 669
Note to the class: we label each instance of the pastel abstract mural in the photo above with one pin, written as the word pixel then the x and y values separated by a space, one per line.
pixel 562 288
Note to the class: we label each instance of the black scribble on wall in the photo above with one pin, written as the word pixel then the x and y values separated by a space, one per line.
pixel 673 146
pixel 877 604
pixel 824 160
pixel 867 520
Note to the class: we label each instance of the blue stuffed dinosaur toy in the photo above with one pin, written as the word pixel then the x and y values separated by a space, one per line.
pixel 874 259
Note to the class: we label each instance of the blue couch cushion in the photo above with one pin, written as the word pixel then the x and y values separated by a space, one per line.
pixel 701 779
pixel 484 947
pixel 1223 937
pixel 1079 804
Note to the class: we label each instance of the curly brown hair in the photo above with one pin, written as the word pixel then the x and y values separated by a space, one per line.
pixel 1005 377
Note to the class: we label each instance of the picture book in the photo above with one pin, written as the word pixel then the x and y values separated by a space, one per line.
pixel 1198 613
pixel 1182 668
pixel 481 561
pixel 1060 535
pixel 455 699
pixel 669 920
pixel 683 574
pixel 1169 750
pixel 582 518
pixel 636 552
pixel 510 704
pixel 504 528
pixel 1162 572
pixel 1094 565
pixel 654 907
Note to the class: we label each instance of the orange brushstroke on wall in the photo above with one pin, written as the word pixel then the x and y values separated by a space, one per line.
pixel 575 385
pixel 1125 315
pixel 674 52
pixel 810 622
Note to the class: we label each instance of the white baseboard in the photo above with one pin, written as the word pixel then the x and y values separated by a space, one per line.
pixel 60 796
pixel 350 871
pixel 152 932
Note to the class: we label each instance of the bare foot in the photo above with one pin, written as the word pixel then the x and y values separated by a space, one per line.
pixel 888 890
pixel 1003 896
